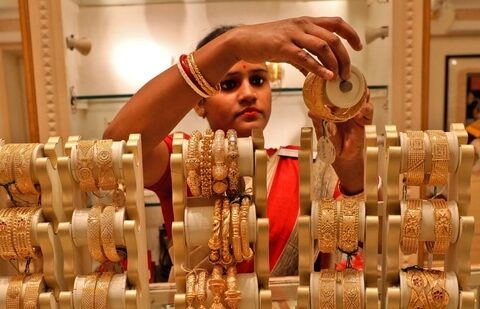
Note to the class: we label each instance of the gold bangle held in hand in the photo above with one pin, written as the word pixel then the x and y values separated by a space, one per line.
pixel 327 225
pixel 411 227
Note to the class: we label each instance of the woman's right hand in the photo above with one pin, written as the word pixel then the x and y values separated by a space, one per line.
pixel 289 40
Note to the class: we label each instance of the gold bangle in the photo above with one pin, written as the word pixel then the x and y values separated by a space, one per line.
pixel 7 248
pixel 14 292
pixel 201 289
pixel 219 169
pixel 247 252
pixel 440 157
pixel 104 161
pixel 415 158
pixel 352 297
pixel 232 294
pixel 201 81
pixel 192 163
pixel 206 163
pixel 6 163
pixel 236 240
pixel 85 166
pixel 348 229
pixel 327 226
pixel 411 227
pixel 22 239
pixel 101 290
pixel 88 292
pixel 22 162
pixel 232 156
pixel 437 295
pixel 327 297
pixel 215 242
pixel 93 234
pixel 226 256
pixel 443 228
pixel 190 292
pixel 107 235
pixel 417 282
pixel 32 291
pixel 217 285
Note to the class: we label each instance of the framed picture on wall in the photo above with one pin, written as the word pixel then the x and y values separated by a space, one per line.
pixel 462 92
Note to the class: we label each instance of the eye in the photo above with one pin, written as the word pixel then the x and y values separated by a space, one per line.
pixel 228 84
pixel 257 80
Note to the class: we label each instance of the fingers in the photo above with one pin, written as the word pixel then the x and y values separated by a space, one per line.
pixel 340 27
pixel 302 60
pixel 365 115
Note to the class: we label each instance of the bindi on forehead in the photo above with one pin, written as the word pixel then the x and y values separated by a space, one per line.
pixel 244 66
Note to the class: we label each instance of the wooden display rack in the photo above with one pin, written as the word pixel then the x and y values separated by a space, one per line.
pixel 457 261
pixel 368 227
pixel 253 162
pixel 129 226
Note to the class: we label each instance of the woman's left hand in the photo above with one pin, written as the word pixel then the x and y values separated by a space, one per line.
pixel 348 139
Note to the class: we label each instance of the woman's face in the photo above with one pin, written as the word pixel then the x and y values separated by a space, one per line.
pixel 244 101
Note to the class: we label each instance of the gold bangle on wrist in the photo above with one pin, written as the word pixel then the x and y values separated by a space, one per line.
pixel 201 81
pixel 236 240
pixel 192 163
pixel 440 157
pixel 352 297
pixel 88 291
pixel 93 234
pixel 437 295
pixel 32 291
pixel 443 228
pixel 104 162
pixel 215 242
pixel 107 234
pixel 85 166
pixel 327 297
pixel 206 163
pixel 348 228
pixel 101 290
pixel 247 252
pixel 411 227
pixel 327 225
pixel 226 255
pixel 415 158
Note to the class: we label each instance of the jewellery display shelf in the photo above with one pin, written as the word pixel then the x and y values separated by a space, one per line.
pixel 41 165
pixel 307 292
pixel 456 262
pixel 128 289
pixel 193 221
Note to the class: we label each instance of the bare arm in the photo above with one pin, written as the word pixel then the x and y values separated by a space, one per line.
pixel 160 104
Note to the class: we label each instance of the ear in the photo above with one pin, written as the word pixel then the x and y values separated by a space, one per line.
pixel 200 109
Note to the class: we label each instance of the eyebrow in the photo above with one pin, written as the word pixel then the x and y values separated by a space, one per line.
pixel 259 70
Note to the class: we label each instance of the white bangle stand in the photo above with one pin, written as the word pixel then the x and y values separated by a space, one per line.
pixel 117 292
pixel 3 291
pixel 314 284
pixel 428 220
pixel 451 285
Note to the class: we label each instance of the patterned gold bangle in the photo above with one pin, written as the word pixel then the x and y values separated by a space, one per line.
pixel 206 163
pixel 14 292
pixel 236 240
pixel 22 162
pixel 201 81
pixel 327 297
pixel 440 157
pixel 93 234
pixel 417 282
pixel 437 295
pixel 232 159
pixel 443 228
pixel 7 221
pixel 411 227
pixel 247 252
pixel 107 235
pixel 201 288
pixel 192 163
pixel 348 229
pixel 232 294
pixel 22 239
pixel 6 163
pixel 327 226
pixel 88 291
pixel 32 291
pixel 85 165
pixel 215 242
pixel 352 297
pixel 190 292
pixel 415 158
pixel 101 290
pixel 219 171
pixel 226 255
pixel 104 161
pixel 217 285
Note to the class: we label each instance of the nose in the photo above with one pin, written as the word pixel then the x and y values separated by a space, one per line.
pixel 246 93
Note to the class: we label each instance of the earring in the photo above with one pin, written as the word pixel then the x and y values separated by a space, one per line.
pixel 200 110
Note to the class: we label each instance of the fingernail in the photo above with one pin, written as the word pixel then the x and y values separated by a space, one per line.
pixel 327 74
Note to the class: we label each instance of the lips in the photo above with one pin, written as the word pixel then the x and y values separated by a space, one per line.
pixel 248 111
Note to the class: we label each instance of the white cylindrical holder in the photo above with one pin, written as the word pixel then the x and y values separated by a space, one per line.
pixel 453 152
pixel 314 288
pixel 198 225
pixel 80 225
pixel 245 150
pixel 116 291
pixel 428 220
pixel 36 153
pixel 361 219
pixel 3 291
pixel 451 285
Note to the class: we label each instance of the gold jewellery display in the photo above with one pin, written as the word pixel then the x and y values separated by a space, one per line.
pixel 327 293
pixel 443 228
pixel 415 158
pixel 411 227
pixel 427 288
pixel 327 226
pixel 440 157
pixel 348 225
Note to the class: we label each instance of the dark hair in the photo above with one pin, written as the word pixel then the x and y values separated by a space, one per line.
pixel 216 32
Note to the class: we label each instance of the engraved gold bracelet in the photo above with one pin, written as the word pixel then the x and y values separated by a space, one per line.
pixel 226 255
pixel 235 222
pixel 217 285
pixel 206 163
pixel 440 157
pixel 415 158
pixel 215 242
pixel 101 290
pixel 437 295
pixel 417 282
pixel 201 288
pixel 247 252
pixel 22 239
pixel 93 234
pixel 443 228
pixel 412 222
pixel 327 226
pixel 22 162
pixel 192 163
pixel 190 292
pixel 348 229
pixel 233 167
pixel 32 291
pixel 6 163
pixel 14 292
pixel 107 234
pixel 327 297
pixel 7 248
pixel 104 161
pixel 88 292
pixel 232 294
pixel 352 296
pixel 85 166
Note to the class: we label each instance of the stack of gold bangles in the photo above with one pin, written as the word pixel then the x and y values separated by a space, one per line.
pixel 350 280
pixel 427 288
pixel 95 290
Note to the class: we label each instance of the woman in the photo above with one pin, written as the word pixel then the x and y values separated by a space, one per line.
pixel 236 61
